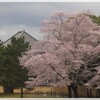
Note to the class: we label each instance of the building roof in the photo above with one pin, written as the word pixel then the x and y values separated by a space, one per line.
pixel 27 36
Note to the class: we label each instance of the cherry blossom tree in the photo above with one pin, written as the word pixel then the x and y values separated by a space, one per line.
pixel 62 58
pixel 75 31
pixel 41 63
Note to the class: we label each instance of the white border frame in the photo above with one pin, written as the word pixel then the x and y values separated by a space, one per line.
pixel 48 1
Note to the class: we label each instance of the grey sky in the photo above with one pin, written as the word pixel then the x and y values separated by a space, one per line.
pixel 28 16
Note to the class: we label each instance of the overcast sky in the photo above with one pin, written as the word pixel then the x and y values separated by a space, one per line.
pixel 15 17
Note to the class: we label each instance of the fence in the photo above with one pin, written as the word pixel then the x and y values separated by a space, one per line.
pixel 56 92
pixel 51 94
pixel 60 92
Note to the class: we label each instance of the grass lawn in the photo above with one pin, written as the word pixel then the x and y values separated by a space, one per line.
pixel 25 96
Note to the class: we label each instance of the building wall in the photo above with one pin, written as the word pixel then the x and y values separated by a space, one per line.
pixel 29 39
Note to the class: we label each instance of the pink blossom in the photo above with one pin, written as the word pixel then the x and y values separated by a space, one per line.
pixel 72 40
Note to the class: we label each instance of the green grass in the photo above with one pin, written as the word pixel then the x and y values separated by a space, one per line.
pixel 25 96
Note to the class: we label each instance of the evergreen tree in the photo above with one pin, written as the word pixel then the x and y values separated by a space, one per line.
pixel 1 57
pixel 14 74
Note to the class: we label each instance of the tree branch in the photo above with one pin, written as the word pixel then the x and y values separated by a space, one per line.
pixel 56 71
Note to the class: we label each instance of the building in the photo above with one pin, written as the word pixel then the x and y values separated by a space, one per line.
pixel 27 36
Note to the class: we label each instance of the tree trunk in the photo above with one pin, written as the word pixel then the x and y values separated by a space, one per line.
pixel 96 93
pixel 75 91
pixel 21 94
pixel 69 92
pixel 8 89
pixel 90 93
pixel 87 93
pixel 99 93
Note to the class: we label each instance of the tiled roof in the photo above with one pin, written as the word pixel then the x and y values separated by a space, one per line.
pixel 20 34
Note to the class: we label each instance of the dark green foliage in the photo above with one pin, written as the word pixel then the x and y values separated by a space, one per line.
pixel 1 57
pixel 13 74
pixel 17 46
pixel 96 19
